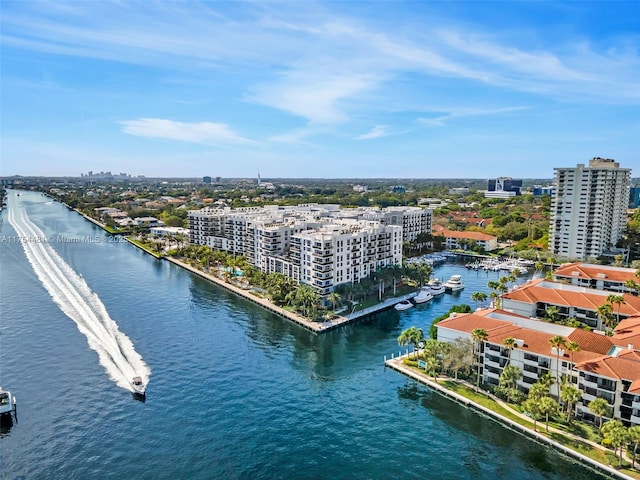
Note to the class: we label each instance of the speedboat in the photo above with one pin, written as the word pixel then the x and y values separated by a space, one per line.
pixel 454 284
pixel 403 305
pixel 7 403
pixel 138 386
pixel 424 295
pixel 436 287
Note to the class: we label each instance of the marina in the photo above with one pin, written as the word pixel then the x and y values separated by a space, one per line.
pixel 269 393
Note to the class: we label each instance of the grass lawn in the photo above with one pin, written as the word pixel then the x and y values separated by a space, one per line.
pixel 606 457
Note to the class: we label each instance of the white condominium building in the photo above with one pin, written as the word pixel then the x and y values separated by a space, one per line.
pixel 318 245
pixel 588 211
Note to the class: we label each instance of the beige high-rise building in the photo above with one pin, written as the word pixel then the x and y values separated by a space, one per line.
pixel 588 211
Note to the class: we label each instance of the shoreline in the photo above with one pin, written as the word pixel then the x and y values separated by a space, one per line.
pixel 315 327
pixel 397 365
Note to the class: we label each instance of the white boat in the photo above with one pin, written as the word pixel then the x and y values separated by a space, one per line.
pixel 7 402
pixel 403 305
pixel 436 287
pixel 454 284
pixel 138 386
pixel 424 295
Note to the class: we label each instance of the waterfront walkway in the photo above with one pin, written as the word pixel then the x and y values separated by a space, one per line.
pixel 250 294
pixel 398 365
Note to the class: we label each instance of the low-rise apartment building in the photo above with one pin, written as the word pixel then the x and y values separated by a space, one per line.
pixel 463 240
pixel 533 298
pixel 603 367
pixel 600 277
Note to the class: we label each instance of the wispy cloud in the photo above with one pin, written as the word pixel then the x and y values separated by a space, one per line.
pixel 200 132
pixel 376 132
pixel 443 115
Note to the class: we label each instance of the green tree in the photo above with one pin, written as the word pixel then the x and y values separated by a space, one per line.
pixel 509 344
pixel 335 299
pixel 551 314
pixel 617 433
pixel 618 300
pixel 558 342
pixel 459 357
pixel 572 347
pixel 478 335
pixel 479 297
pixel 605 315
pixel 411 336
pixel 509 380
pixel 570 395
pixel 548 408
pixel 600 408
pixel 634 439
pixel 532 407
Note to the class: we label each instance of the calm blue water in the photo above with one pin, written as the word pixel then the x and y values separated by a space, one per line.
pixel 235 392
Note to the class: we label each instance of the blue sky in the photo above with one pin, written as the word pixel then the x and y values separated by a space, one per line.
pixel 318 89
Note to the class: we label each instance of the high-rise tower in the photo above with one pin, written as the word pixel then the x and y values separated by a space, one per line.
pixel 588 211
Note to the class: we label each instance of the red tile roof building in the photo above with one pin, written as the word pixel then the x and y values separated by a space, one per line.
pixel 606 367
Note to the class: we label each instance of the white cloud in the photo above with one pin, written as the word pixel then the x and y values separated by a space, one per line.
pixel 199 132
pixel 376 132
pixel 442 115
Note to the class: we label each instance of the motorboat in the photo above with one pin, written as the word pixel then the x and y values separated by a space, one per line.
pixel 7 403
pixel 454 284
pixel 424 295
pixel 403 305
pixel 138 386
pixel 436 287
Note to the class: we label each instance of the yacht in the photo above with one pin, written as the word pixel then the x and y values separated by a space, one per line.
pixel 436 287
pixel 424 295
pixel 7 403
pixel 454 284
pixel 139 388
pixel 403 305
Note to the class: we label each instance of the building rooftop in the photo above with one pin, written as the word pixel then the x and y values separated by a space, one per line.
pixel 589 271
pixel 554 293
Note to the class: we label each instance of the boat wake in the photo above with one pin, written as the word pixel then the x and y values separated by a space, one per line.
pixel 74 297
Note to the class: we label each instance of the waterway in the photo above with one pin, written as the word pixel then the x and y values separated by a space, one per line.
pixel 235 391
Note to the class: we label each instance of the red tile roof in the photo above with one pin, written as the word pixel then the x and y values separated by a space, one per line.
pixel 589 271
pixel 555 293
pixel 478 236
pixel 625 366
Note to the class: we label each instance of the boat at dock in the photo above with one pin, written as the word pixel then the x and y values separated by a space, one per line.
pixel 403 305
pixel 424 295
pixel 436 287
pixel 454 284
pixel 7 403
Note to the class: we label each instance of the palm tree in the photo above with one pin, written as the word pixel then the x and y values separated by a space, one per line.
pixel 478 297
pixel 551 313
pixel 634 439
pixel 532 407
pixel 572 347
pixel 617 433
pixel 558 342
pixel 335 299
pixel 548 407
pixel 632 285
pixel 411 336
pixel 600 408
pixel 479 335
pixel 509 379
pixel 509 344
pixel 617 299
pixel 570 395
pixel 495 299
pixel 605 315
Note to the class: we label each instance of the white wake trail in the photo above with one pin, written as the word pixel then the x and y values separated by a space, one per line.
pixel 71 293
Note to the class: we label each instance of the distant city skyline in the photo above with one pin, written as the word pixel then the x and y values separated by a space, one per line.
pixel 318 89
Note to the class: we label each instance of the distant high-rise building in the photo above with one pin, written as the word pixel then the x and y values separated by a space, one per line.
pixel 503 187
pixel 634 197
pixel 588 210
pixel 206 179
